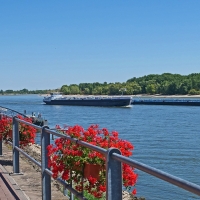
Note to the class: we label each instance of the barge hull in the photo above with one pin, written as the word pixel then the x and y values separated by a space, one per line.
pixel 171 103
pixel 91 102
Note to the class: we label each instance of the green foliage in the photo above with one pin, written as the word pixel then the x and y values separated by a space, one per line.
pixel 86 91
pixel 74 89
pixel 26 91
pixel 9 91
pixel 91 197
pixel 194 92
pixel 65 89
pixel 166 84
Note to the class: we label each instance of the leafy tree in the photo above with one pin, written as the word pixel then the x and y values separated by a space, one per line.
pixel 86 91
pixel 173 88
pixel 105 90
pixel 194 92
pixel 97 90
pixel 114 89
pixel 135 87
pixel 65 90
pixel 9 91
pixel 151 89
pixel 74 89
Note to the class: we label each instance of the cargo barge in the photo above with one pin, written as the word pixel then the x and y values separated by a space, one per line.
pixel 172 102
pixel 108 101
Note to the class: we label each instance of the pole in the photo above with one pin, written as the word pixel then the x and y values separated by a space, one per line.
pixel 46 179
pixel 113 176
pixel 1 140
pixel 15 133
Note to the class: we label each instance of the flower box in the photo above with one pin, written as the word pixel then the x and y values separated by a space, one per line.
pixel 83 166
pixel 92 170
pixel 27 133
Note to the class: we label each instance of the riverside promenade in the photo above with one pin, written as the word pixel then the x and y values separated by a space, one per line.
pixel 8 188
pixel 25 186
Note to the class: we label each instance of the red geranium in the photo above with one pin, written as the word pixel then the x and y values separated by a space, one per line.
pixel 27 133
pixel 66 157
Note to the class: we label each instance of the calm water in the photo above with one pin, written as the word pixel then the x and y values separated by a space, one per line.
pixel 164 137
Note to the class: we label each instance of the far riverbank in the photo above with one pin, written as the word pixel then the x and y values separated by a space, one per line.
pixel 166 96
pixel 139 95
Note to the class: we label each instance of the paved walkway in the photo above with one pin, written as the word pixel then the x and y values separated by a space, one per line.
pixel 26 186
pixel 8 188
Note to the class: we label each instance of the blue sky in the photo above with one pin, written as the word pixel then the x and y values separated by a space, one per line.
pixel 46 44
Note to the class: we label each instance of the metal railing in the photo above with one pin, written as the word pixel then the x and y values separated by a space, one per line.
pixel 113 165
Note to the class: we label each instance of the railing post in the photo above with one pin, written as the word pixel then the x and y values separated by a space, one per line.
pixel 46 179
pixel 113 176
pixel 15 133
pixel 1 140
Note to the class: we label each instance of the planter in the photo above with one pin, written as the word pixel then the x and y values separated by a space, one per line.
pixel 92 170
pixel 9 135
pixel 89 170
pixel 67 157
pixel 26 132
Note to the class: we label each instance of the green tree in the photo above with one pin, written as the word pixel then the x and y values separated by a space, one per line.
pixel 9 91
pixel 86 91
pixel 74 89
pixel 194 92
pixel 114 89
pixel 65 89
pixel 172 88
pixel 151 89
pixel 135 87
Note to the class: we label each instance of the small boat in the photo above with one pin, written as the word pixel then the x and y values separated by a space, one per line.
pixel 37 120
pixel 106 101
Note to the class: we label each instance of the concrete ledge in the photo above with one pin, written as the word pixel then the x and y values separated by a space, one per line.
pixel 12 185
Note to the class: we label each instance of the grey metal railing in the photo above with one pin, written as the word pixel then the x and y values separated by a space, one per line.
pixel 113 165
pixel 1 151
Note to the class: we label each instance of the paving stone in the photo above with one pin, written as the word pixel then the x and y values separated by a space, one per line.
pixel 30 182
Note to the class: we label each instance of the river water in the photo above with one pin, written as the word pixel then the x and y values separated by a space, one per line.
pixel 164 137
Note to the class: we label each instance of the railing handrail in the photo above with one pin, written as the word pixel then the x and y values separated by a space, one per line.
pixel 186 185
pixel 111 154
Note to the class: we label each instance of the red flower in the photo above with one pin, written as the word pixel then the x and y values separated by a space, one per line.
pixel 134 192
pixel 27 133
pixel 92 180
pixel 65 175
pixel 66 157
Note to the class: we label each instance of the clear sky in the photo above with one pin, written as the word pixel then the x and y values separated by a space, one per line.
pixel 46 44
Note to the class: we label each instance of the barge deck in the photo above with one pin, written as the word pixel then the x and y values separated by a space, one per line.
pixel 172 102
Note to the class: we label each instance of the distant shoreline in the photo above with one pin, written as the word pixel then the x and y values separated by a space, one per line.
pixel 166 96
pixel 137 95
pixel 141 95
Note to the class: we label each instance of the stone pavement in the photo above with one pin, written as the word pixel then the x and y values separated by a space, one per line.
pixel 8 188
pixel 26 186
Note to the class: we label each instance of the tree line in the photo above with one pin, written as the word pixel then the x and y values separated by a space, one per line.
pixel 164 84
pixel 26 91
